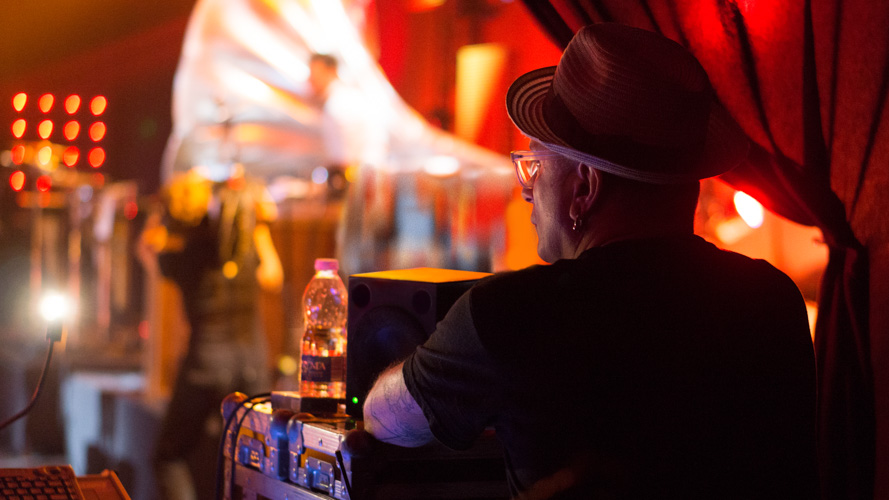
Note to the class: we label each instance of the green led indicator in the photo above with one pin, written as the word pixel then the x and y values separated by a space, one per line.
pixel 355 400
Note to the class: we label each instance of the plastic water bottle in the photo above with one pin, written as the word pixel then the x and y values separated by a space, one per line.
pixel 323 367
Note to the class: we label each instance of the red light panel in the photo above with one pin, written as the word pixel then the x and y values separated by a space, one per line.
pixel 18 154
pixel 72 129
pixel 72 104
pixel 17 180
pixel 19 101
pixel 98 105
pixel 77 133
pixel 70 156
pixel 97 157
pixel 46 102
pixel 98 180
pixel 44 130
pixel 18 128
pixel 97 131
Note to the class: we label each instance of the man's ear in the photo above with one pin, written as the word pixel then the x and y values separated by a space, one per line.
pixel 587 188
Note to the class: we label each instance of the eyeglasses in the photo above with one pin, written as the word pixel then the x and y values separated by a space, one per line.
pixel 527 165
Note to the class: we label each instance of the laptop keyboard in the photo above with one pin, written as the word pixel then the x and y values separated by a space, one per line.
pixel 53 482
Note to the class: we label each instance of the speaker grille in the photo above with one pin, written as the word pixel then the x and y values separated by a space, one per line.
pixel 390 314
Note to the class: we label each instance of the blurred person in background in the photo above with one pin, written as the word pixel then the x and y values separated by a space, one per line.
pixel 212 240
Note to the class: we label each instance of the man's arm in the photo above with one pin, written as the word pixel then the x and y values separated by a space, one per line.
pixel 392 415
pixel 270 273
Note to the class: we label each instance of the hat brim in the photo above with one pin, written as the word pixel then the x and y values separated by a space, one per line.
pixel 725 147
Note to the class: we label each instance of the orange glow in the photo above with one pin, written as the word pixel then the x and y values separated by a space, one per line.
pixel 44 183
pixel 131 210
pixel 19 101
pixel 44 130
pixel 18 128
pixel 426 274
pixel 479 69
pixel 98 104
pixel 70 156
pixel 17 180
pixel 72 128
pixel 749 209
pixel 97 157
pixel 72 104
pixel 97 131
pixel 98 180
pixel 44 155
pixel 521 236
pixel 46 102
pixel 44 199
pixel 424 5
pixel 18 154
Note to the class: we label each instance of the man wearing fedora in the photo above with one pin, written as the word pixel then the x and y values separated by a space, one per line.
pixel 643 362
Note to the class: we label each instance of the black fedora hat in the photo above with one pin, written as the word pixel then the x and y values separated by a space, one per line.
pixel 630 102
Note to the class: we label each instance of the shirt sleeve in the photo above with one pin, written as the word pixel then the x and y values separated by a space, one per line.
pixel 453 379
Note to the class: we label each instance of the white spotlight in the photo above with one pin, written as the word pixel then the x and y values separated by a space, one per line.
pixel 55 307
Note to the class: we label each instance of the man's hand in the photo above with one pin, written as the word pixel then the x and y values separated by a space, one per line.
pixel 392 415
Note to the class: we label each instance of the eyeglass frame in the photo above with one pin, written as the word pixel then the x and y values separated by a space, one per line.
pixel 520 156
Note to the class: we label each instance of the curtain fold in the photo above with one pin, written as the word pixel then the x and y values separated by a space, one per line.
pixel 846 427
pixel 796 79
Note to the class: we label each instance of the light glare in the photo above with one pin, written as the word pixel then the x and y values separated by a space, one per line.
pixel 17 180
pixel 44 183
pixel 71 155
pixel 44 130
pixel 72 104
pixel 19 101
pixel 97 131
pixel 442 166
pixel 97 157
pixel 18 154
pixel 72 130
pixel 18 128
pixel 319 175
pixel 44 155
pixel 55 307
pixel 749 209
pixel 98 104
pixel 45 103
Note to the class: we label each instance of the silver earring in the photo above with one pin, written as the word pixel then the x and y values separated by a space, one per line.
pixel 577 224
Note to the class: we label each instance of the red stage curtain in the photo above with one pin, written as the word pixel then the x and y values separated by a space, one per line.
pixel 807 81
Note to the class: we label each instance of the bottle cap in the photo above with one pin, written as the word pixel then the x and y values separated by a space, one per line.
pixel 327 265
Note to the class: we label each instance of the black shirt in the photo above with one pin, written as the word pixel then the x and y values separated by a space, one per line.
pixel 642 369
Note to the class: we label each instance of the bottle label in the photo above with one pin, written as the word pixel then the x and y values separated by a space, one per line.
pixel 324 368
